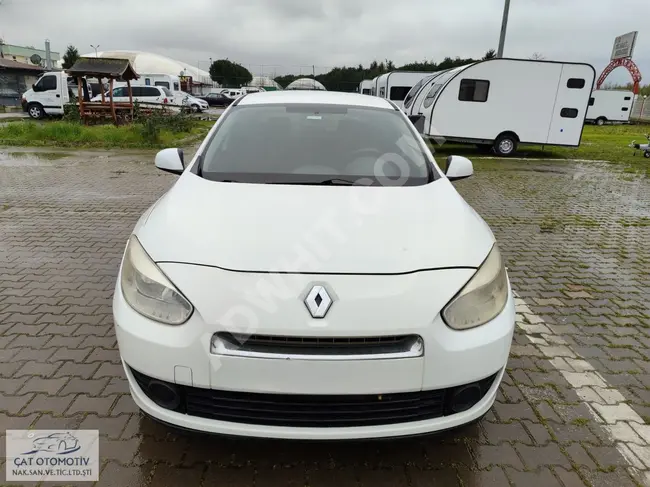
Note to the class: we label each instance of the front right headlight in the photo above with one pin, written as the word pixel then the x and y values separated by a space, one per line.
pixel 148 291
pixel 483 297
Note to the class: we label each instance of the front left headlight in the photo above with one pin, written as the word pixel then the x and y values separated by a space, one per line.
pixel 483 298
pixel 148 291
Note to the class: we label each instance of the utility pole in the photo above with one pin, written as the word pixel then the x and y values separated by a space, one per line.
pixel 504 27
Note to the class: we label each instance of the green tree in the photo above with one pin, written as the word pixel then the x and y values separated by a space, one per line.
pixel 491 54
pixel 230 74
pixel 70 57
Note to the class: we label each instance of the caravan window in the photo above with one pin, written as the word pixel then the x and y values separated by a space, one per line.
pixel 569 113
pixel 382 92
pixel 398 93
pixel 176 86
pixel 410 96
pixel 625 109
pixel 592 100
pixel 162 83
pixel 575 83
pixel 366 91
pixel 428 101
pixel 474 90
pixel 627 98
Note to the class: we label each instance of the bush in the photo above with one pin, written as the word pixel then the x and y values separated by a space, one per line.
pixel 71 113
pixel 161 119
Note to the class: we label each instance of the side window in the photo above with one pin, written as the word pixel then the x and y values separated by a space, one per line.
pixel 428 101
pixel 150 91
pixel 136 91
pixel 627 98
pixel 162 83
pixel 382 92
pixel 569 113
pixel 592 100
pixel 398 93
pixel 624 109
pixel 575 83
pixel 46 83
pixel 474 90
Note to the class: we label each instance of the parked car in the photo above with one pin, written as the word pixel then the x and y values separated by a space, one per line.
pixel 196 104
pixel 282 316
pixel 158 95
pixel 216 99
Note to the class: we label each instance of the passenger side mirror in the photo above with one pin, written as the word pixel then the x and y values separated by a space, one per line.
pixel 458 167
pixel 171 160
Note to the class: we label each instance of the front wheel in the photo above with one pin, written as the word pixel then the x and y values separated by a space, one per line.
pixel 505 145
pixel 35 111
pixel 195 109
pixel 600 121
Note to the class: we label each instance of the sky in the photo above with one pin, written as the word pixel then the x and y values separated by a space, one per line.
pixel 291 36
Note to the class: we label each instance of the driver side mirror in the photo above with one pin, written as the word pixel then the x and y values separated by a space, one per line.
pixel 458 167
pixel 170 160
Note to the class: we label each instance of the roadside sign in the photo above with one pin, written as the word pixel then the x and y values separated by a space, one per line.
pixel 624 45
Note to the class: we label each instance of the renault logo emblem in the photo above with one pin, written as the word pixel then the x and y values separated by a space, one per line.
pixel 318 302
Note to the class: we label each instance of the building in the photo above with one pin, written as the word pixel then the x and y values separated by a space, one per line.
pixel 15 79
pixel 265 82
pixel 305 84
pixel 151 63
pixel 24 55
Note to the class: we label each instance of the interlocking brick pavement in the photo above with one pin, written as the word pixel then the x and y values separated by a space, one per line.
pixel 571 410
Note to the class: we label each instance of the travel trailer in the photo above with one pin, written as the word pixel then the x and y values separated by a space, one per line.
pixel 51 92
pixel 394 86
pixel 169 81
pixel 365 87
pixel 415 97
pixel 501 103
pixel 610 106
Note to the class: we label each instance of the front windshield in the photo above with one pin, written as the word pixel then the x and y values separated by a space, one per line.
pixel 315 143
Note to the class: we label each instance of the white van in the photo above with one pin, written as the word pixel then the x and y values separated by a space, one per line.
pixel 501 103
pixel 610 106
pixel 233 93
pixel 394 86
pixel 51 92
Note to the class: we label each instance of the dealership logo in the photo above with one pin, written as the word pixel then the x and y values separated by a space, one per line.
pixel 52 455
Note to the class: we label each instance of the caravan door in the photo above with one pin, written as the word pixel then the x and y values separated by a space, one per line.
pixel 571 103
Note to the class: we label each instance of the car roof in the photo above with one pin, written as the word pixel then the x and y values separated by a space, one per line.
pixel 315 97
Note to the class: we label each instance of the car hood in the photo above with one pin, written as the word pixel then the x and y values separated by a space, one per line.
pixel 315 229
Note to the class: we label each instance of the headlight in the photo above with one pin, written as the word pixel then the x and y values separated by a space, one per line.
pixel 482 298
pixel 147 289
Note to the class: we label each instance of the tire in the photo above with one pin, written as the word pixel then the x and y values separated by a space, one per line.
pixel 35 111
pixel 505 145
pixel 646 154
pixel 601 121
pixel 195 109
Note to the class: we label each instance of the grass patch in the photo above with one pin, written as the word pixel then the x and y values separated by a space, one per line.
pixel 61 133
pixel 607 143
pixel 580 422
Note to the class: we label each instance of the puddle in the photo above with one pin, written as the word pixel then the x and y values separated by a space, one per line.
pixel 30 158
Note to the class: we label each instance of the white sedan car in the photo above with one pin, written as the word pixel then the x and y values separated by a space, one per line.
pixel 313 274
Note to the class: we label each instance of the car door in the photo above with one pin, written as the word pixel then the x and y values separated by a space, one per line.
pixel 49 94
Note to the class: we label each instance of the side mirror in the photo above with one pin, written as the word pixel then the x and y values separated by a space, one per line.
pixel 171 160
pixel 458 168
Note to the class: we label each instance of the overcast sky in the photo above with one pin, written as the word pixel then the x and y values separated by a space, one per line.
pixel 290 35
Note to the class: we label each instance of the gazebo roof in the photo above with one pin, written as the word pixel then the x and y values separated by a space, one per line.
pixel 119 69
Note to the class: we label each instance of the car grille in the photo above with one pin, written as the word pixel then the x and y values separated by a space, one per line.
pixel 297 410
pixel 398 345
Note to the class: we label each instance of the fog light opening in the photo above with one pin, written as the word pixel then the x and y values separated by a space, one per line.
pixel 163 394
pixel 464 398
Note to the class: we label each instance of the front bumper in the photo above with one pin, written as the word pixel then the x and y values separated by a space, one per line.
pixel 181 354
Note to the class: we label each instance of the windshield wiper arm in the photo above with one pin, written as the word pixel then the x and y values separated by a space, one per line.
pixel 324 182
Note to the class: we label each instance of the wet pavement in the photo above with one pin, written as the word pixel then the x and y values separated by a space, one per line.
pixel 572 409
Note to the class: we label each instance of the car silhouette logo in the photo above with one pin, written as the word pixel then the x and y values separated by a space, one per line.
pixel 58 443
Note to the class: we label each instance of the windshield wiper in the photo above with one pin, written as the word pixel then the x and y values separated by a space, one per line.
pixel 324 182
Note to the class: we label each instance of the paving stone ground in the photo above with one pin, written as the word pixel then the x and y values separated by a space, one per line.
pixel 571 410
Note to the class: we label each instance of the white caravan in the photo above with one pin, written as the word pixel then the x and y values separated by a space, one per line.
pixel 169 81
pixel 415 97
pixel 51 93
pixel 610 106
pixel 501 103
pixel 365 87
pixel 394 86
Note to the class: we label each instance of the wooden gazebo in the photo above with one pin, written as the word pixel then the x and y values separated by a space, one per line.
pixel 104 68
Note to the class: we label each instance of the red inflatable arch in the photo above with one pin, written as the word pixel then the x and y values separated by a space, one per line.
pixel 626 63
